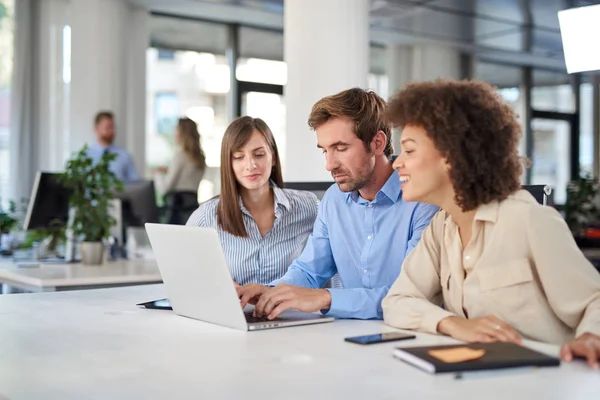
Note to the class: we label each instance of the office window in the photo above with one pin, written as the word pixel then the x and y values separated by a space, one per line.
pixel 552 91
pixel 379 83
pixel 259 103
pixel 551 144
pixel 164 54
pixel 507 79
pixel 166 113
pixel 261 71
pixel 6 63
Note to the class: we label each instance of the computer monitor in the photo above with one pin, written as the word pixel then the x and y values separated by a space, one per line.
pixel 318 188
pixel 138 203
pixel 49 203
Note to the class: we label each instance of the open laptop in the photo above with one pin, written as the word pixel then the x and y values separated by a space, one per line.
pixel 199 284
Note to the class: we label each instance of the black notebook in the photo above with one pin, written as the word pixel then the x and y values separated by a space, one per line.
pixel 496 356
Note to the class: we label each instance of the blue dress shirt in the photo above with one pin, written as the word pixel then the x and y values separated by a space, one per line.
pixel 122 166
pixel 365 242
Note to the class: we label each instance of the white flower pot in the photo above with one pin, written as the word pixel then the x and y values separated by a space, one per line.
pixel 92 253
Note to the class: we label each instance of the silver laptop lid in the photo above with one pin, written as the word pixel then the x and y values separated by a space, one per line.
pixel 194 270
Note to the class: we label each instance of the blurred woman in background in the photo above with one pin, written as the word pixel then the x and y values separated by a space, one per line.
pixel 188 164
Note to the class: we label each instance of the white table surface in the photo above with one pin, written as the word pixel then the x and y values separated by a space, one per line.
pixel 96 344
pixel 50 277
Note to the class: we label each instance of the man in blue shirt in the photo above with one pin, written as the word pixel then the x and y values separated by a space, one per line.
pixel 363 230
pixel 122 166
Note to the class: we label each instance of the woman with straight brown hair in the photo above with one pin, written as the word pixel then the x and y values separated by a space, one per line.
pixel 262 227
pixel 188 164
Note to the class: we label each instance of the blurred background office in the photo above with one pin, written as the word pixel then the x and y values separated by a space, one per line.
pixel 151 62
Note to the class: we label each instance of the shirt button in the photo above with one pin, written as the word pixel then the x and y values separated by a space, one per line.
pixel 370 205
pixel 369 237
pixel 467 258
pixel 365 271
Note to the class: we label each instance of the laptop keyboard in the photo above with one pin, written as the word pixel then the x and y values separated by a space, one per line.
pixel 250 318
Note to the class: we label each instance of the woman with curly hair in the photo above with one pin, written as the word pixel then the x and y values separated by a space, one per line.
pixel 503 266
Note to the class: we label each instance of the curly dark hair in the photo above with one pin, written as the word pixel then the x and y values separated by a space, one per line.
pixel 473 128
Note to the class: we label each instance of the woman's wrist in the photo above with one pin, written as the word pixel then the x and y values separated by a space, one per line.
pixel 447 325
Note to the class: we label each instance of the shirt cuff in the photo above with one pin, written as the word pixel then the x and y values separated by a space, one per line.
pixel 432 318
pixel 331 310
pixel 585 327
pixel 346 304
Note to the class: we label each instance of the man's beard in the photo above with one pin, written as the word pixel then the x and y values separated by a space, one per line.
pixel 352 184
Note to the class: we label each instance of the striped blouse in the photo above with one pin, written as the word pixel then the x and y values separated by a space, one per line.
pixel 257 259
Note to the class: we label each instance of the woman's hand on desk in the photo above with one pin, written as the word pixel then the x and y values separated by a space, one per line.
pixel 585 346
pixel 484 329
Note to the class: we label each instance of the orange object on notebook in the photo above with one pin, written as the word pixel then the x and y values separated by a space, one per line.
pixel 457 354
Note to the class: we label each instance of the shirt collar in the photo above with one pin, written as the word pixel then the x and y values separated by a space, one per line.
pixel 487 212
pixel 280 196
pixel 109 147
pixel 391 189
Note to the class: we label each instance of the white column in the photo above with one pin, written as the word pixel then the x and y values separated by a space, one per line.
pixel 399 66
pixel 326 47
pixel 135 124
pixel 420 63
pixel 108 69
pixel 38 95
pixel 431 60
pixel 51 122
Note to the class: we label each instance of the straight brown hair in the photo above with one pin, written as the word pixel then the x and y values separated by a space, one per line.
pixel 237 134
pixel 364 107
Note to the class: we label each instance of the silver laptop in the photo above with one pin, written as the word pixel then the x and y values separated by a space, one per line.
pixel 199 284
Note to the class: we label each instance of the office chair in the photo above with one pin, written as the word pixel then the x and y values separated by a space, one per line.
pixel 540 192
pixel 178 206
pixel 318 188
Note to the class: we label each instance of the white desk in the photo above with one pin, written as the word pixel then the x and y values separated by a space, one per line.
pixel 59 277
pixel 96 344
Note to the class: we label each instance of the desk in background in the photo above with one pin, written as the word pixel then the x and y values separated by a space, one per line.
pixel 96 344
pixel 59 277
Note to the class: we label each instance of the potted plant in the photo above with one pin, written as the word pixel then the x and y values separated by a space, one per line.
pixel 50 238
pixel 93 187
pixel 8 221
pixel 582 206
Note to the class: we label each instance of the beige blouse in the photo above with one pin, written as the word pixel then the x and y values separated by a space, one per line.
pixel 181 175
pixel 521 265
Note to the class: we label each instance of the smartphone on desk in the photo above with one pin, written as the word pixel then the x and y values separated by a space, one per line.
pixel 380 338
pixel 161 304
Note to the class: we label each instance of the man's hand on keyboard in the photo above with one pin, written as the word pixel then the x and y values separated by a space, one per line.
pixel 250 293
pixel 283 297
